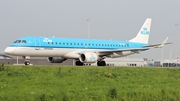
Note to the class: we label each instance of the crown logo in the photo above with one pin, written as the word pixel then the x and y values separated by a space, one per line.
pixel 145 31
pixel 92 57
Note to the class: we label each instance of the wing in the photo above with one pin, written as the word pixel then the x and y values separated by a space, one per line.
pixel 133 50
pixel 126 51
pixel 120 51
pixel 158 45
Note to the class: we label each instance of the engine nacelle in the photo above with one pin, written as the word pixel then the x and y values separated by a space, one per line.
pixel 88 57
pixel 56 59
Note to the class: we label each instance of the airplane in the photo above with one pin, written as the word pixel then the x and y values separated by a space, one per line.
pixel 83 51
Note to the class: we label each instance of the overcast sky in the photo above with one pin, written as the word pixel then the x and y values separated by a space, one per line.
pixel 110 19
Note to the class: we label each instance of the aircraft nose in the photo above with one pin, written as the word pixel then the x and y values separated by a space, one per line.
pixel 8 50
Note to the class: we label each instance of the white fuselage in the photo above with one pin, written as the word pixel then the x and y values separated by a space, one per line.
pixel 55 52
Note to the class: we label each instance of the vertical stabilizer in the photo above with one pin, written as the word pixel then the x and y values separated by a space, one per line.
pixel 143 35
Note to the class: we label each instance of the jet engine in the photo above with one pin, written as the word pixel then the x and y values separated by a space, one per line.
pixel 88 57
pixel 56 59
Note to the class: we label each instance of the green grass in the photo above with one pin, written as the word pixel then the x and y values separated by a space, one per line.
pixel 68 83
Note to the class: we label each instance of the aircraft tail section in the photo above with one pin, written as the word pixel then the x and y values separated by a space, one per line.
pixel 143 34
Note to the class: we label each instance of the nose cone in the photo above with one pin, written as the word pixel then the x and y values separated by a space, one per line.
pixel 8 50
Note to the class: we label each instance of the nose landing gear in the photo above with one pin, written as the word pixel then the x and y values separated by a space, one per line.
pixel 26 60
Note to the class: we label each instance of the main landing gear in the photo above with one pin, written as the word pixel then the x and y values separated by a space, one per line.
pixel 79 63
pixel 26 60
pixel 99 63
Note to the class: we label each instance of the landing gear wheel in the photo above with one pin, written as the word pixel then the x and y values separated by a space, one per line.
pixel 27 62
pixel 79 63
pixel 101 63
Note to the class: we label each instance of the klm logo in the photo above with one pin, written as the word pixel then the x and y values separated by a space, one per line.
pixel 92 57
pixel 145 31
pixel 47 40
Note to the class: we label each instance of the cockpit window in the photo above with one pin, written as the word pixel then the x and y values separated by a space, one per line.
pixel 17 41
pixel 23 41
pixel 20 41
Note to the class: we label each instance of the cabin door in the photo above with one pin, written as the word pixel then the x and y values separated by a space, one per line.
pixel 36 43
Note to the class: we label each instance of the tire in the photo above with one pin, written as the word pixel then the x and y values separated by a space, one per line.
pixel 27 63
pixel 79 63
pixel 101 63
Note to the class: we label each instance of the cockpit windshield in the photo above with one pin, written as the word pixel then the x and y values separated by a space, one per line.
pixel 20 41
pixel 17 41
pixel 23 41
